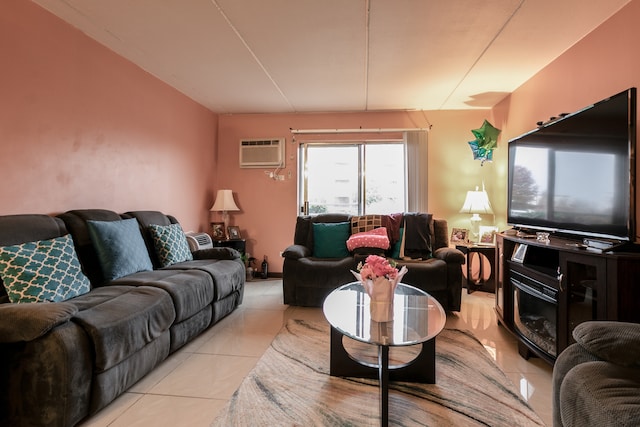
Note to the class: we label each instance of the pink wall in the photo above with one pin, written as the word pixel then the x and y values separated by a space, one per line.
pixel 268 208
pixel 602 64
pixel 81 127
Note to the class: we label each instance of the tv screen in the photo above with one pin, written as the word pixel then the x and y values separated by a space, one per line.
pixel 574 175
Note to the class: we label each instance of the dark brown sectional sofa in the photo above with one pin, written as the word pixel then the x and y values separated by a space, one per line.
pixel 61 362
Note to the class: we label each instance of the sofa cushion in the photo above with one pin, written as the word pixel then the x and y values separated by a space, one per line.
pixel 330 240
pixel 42 271
pixel 121 320
pixel 190 291
pixel 170 244
pixel 228 275
pixel 120 247
pixel 359 254
pixel 376 238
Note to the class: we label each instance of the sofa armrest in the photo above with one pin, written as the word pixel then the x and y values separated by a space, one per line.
pixel 449 255
pixel 615 342
pixel 26 322
pixel 221 253
pixel 296 252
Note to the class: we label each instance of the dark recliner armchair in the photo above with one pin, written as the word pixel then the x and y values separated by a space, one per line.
pixel 307 279
pixel 596 381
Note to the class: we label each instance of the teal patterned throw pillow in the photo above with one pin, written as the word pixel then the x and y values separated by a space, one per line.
pixel 43 271
pixel 170 243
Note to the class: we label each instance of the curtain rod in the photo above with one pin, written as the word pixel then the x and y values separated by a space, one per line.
pixel 359 130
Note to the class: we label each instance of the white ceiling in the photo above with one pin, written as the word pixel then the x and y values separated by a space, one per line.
pixel 270 56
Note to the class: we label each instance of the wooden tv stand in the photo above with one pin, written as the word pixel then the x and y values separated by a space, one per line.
pixel 585 285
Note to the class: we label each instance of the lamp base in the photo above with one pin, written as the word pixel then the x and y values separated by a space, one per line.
pixel 475 228
pixel 225 219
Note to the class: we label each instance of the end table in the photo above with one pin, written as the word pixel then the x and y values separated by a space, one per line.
pixel 481 251
pixel 237 244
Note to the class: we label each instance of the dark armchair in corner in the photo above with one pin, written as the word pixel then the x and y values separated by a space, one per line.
pixel 596 381
pixel 309 276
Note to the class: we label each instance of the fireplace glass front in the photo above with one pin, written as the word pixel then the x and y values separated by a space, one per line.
pixel 535 312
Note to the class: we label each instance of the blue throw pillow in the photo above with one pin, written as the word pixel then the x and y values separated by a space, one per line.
pixel 42 271
pixel 170 244
pixel 120 247
pixel 330 239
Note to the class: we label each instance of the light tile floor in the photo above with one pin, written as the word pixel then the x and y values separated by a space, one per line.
pixel 192 385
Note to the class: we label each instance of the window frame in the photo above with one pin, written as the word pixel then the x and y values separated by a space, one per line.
pixel 361 145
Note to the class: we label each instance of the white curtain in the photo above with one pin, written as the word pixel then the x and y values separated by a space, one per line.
pixel 417 172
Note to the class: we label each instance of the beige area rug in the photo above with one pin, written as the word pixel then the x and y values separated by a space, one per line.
pixel 291 386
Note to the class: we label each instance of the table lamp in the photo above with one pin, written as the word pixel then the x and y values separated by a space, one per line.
pixel 476 203
pixel 225 203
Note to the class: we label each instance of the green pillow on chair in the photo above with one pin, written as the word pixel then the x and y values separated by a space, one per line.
pixel 330 239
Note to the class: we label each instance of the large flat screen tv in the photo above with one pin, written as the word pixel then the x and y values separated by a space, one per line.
pixel 576 175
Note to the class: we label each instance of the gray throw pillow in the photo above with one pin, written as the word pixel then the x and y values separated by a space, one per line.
pixel 120 247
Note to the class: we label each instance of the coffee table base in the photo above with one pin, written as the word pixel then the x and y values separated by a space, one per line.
pixel 422 369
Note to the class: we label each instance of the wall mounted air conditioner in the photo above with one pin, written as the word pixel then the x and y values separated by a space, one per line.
pixel 198 241
pixel 262 153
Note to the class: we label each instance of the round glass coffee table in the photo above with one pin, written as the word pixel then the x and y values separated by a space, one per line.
pixel 418 318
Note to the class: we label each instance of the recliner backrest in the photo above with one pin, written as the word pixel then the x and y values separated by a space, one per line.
pixel 145 219
pixel 76 223
pixel 303 234
pixel 304 229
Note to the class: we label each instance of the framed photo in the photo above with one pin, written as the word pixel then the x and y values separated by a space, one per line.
pixel 519 252
pixel 459 235
pixel 217 231
pixel 234 232
pixel 487 235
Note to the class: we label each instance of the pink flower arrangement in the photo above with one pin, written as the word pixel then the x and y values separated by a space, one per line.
pixel 376 266
pixel 379 277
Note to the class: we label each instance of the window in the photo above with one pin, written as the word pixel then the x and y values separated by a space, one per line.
pixel 353 177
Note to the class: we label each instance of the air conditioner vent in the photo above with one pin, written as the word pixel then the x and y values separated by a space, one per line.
pixel 198 241
pixel 261 153
pixel 202 239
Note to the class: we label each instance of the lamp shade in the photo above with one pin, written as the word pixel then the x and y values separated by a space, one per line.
pixel 477 202
pixel 224 202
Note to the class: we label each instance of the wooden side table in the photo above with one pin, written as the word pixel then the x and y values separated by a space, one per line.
pixel 481 251
pixel 237 244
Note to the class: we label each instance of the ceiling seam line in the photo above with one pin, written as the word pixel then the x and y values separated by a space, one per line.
pixel 367 30
pixel 255 57
pixel 513 14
